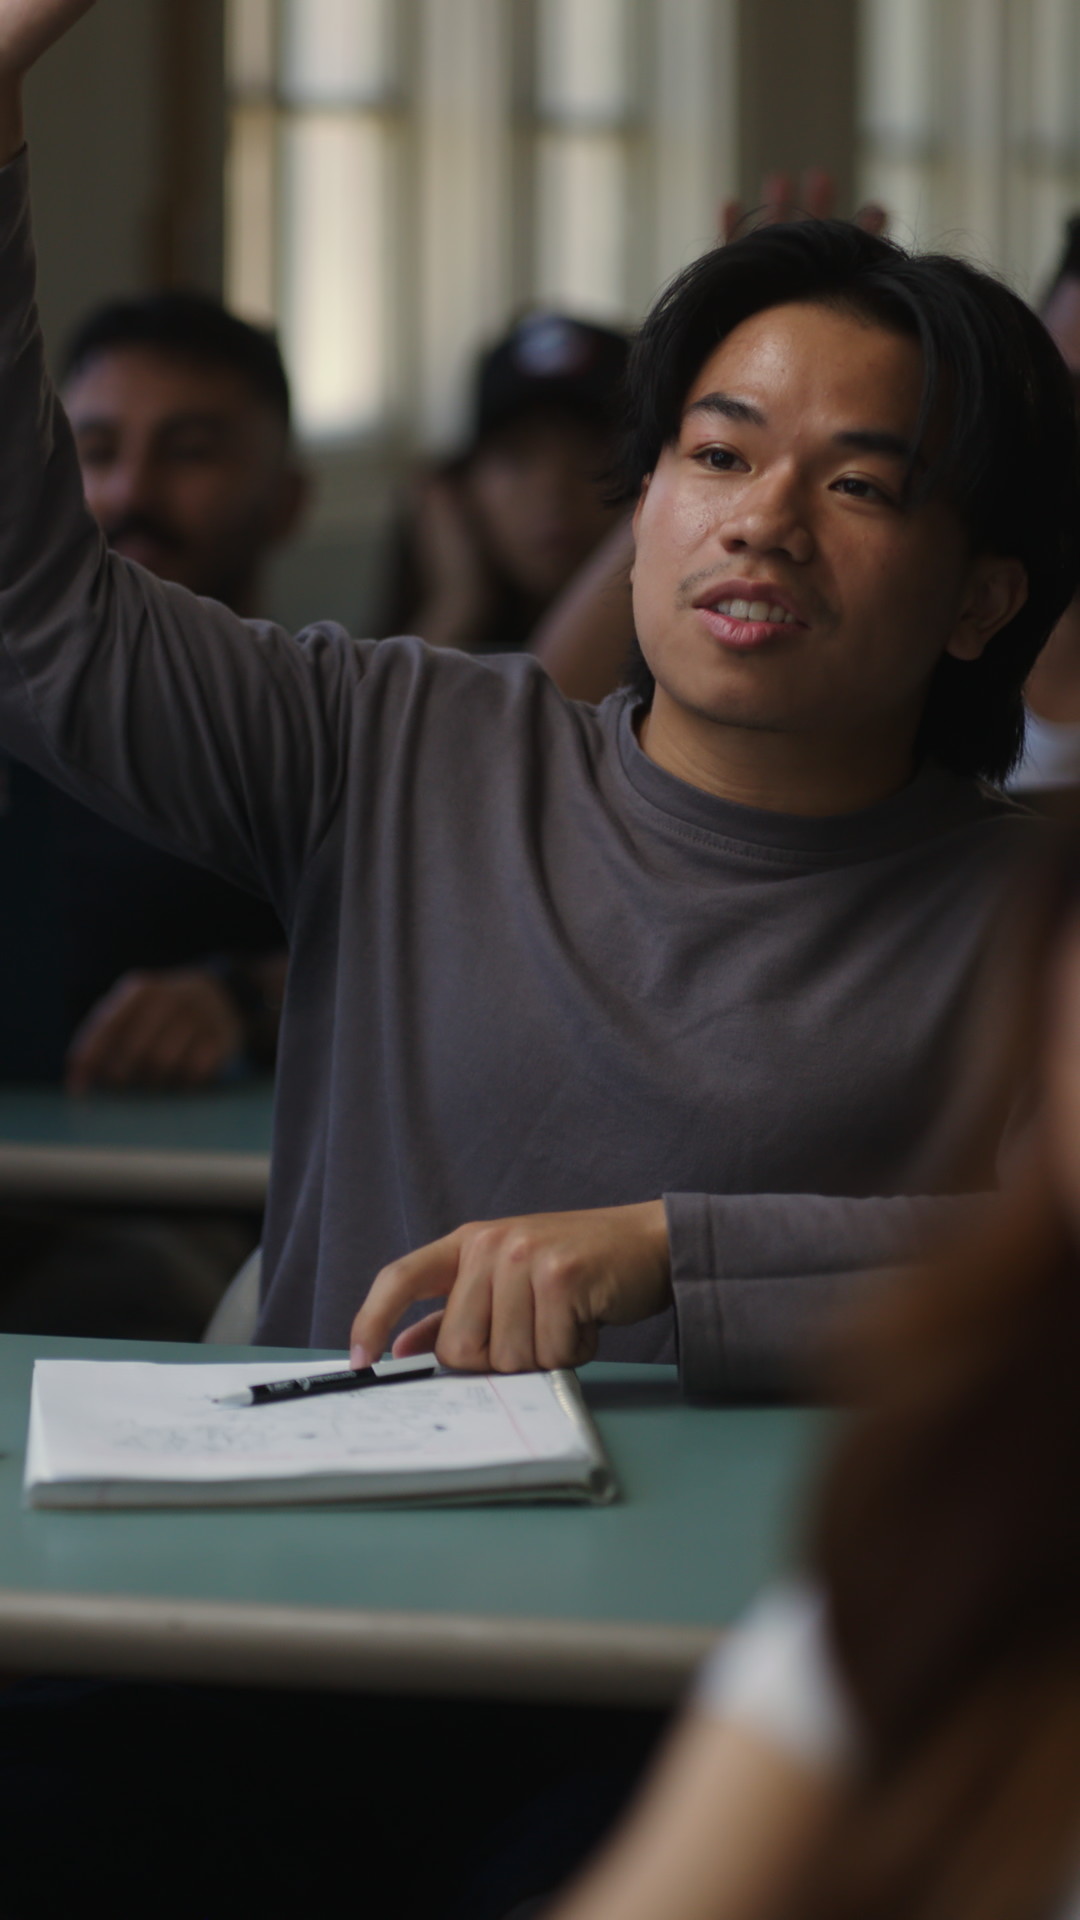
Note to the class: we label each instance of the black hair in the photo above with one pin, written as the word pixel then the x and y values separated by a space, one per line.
pixel 189 326
pixel 1006 445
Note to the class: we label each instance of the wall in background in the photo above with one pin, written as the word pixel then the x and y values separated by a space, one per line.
pixel 94 125
pixel 969 126
pixel 798 73
pixel 126 130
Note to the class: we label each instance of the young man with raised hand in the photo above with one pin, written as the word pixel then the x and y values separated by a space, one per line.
pixel 712 941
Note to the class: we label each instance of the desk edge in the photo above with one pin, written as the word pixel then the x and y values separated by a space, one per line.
pixel 133 1176
pixel 248 1644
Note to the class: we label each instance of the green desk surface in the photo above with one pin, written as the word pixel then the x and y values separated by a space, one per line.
pixel 614 1603
pixel 142 1149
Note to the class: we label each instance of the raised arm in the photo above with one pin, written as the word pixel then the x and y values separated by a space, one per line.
pixel 28 28
pixel 225 741
pixel 584 640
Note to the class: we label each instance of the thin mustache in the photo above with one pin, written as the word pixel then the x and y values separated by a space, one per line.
pixel 688 589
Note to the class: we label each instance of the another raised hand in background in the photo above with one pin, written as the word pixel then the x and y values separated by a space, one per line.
pixel 813 197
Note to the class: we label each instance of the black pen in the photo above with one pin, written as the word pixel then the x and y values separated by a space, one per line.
pixel 265 1393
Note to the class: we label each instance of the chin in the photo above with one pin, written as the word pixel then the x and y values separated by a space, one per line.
pixel 735 699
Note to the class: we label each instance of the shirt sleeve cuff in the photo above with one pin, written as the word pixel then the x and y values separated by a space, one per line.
pixel 760 1284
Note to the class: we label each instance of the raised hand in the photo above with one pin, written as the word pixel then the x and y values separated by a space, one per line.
pixel 814 197
pixel 28 28
pixel 522 1293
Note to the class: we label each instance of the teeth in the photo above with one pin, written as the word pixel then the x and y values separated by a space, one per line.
pixel 754 610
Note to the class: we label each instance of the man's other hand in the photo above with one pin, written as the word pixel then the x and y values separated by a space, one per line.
pixel 176 1029
pixel 522 1293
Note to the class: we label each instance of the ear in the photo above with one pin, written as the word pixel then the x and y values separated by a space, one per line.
pixel 997 588
pixel 636 515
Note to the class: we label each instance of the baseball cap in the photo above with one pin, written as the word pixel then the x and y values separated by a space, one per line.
pixel 550 359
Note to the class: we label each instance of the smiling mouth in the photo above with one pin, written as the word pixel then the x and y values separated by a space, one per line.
pixel 739 625
pixel 755 612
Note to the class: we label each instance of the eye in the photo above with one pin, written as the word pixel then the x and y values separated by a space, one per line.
pixel 857 488
pixel 96 453
pixel 720 460
pixel 193 448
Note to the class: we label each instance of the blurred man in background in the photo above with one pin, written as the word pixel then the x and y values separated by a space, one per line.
pixel 181 418
pixel 150 972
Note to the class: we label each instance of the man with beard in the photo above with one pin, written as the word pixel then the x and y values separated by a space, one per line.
pixel 168 976
pixel 181 416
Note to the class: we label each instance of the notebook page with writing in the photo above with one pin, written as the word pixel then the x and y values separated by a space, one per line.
pixel 138 1433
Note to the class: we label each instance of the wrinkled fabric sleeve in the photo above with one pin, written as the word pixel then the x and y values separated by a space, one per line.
pixel 759 1280
pixel 223 740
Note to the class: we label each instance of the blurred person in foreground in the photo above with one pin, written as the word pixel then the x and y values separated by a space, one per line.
pixel 895 1734
pixel 495 534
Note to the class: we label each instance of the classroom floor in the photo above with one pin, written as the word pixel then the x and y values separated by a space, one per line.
pixel 195 1801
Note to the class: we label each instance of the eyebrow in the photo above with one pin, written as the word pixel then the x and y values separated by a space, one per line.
pixel 731 409
pixel 172 422
pixel 859 439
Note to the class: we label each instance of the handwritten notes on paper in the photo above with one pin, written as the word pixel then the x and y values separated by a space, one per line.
pixel 136 1432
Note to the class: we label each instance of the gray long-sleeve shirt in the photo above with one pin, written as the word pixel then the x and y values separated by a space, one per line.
pixel 530 969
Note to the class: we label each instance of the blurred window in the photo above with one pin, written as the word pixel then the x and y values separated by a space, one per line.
pixel 586 107
pixel 405 175
pixel 970 132
pixel 313 157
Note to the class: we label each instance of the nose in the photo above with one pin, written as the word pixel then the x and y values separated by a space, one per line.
pixel 769 516
pixel 124 486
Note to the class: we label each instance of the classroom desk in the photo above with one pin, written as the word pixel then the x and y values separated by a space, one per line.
pixel 594 1604
pixel 145 1149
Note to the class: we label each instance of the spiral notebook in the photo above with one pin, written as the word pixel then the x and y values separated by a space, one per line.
pixel 134 1433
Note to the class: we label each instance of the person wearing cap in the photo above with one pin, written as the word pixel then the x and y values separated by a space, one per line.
pixel 495 534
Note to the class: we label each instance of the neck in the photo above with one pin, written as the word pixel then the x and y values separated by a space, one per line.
pixel 811 774
pixel 1053 688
